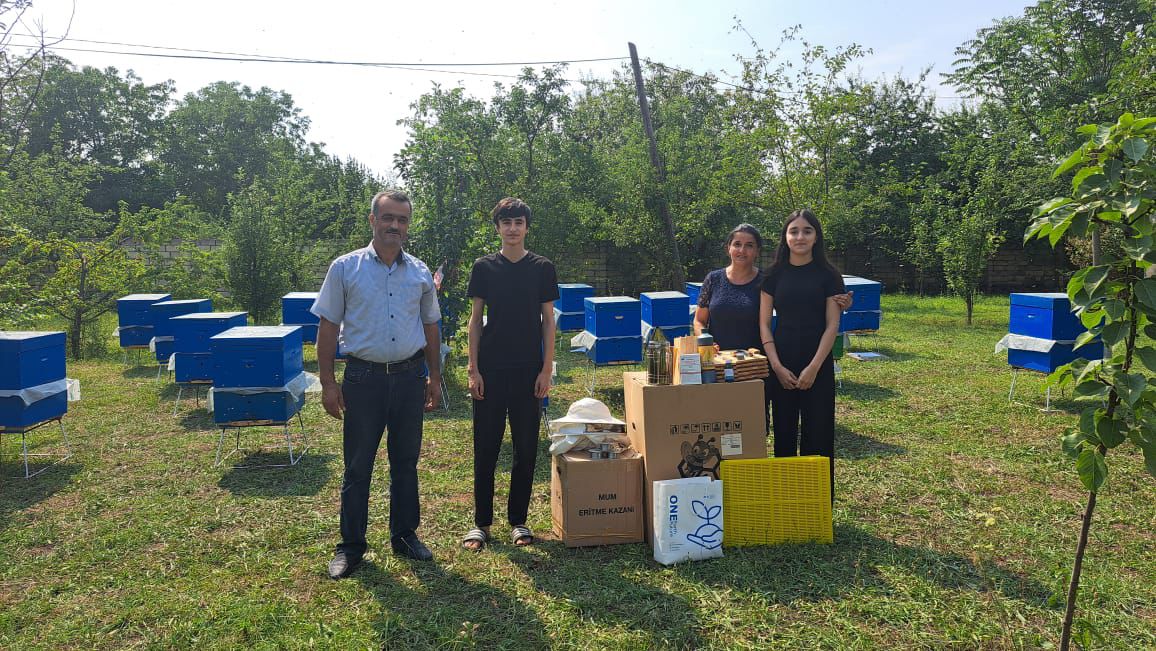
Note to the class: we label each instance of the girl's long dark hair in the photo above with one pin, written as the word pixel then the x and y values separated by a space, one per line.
pixel 819 252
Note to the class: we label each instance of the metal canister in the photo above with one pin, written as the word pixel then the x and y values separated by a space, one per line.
pixel 595 454
pixel 656 358
pixel 705 343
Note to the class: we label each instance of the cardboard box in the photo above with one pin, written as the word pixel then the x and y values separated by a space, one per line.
pixel 596 502
pixel 687 430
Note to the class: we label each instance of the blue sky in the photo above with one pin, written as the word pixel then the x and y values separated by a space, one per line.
pixel 354 110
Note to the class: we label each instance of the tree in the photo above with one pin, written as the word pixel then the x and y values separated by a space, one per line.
pixel 20 305
pixel 225 135
pixel 1114 188
pixel 98 116
pixel 966 245
pixel 79 281
pixel 1052 68
pixel 531 108
pixel 923 246
pixel 45 195
pixel 21 78
pixel 258 260
pixel 193 272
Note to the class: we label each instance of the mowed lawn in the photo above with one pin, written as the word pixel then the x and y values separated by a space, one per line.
pixel 955 526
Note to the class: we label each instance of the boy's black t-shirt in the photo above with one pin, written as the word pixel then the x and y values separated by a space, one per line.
pixel 513 293
pixel 800 299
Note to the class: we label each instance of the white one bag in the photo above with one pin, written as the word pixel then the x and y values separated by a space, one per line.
pixel 688 520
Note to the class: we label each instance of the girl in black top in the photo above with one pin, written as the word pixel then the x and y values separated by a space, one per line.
pixel 801 286
pixel 729 303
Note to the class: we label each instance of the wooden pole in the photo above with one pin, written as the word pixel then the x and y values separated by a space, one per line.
pixel 677 277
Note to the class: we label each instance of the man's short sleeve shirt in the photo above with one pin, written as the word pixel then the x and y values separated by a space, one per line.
pixel 381 308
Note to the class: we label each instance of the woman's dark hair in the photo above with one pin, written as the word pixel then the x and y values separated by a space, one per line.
pixel 510 207
pixel 819 252
pixel 749 229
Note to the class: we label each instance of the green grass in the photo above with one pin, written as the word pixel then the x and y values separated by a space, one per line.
pixel 955 526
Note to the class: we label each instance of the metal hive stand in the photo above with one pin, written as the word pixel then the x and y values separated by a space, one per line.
pixel 294 457
pixel 135 355
pixel 1047 393
pixel 196 386
pixel 24 453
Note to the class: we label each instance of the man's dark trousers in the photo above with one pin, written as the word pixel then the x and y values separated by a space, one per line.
pixel 375 402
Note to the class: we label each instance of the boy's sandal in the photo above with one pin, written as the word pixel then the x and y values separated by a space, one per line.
pixel 476 535
pixel 521 532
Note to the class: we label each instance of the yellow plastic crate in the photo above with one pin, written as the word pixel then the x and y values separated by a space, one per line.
pixel 770 501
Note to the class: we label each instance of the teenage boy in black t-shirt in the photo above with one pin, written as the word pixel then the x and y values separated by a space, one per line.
pixel 511 361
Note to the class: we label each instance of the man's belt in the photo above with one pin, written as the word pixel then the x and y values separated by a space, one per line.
pixel 389 368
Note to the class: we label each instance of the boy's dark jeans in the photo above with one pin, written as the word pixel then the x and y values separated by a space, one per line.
pixel 509 393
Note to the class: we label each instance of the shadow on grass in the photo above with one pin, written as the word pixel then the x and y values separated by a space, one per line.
pixel 891 354
pixel 148 371
pixel 308 477
pixel 483 617
pixel 851 445
pixel 196 419
pixel 1031 393
pixel 18 493
pixel 857 562
pixel 597 585
pixel 863 391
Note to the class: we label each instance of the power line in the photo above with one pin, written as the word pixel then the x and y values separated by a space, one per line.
pixel 287 59
pixel 239 57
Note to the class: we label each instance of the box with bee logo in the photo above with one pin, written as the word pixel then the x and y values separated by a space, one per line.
pixel 687 430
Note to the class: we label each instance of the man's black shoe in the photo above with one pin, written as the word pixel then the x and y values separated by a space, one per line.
pixel 410 547
pixel 342 565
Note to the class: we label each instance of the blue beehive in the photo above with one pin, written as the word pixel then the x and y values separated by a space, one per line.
pixel 14 413
pixel 163 311
pixel 613 316
pixel 135 309
pixel 256 356
pixel 862 320
pixel 162 329
pixel 295 309
pixel 191 332
pixel 570 321
pixel 692 292
pixel 611 350
pixel 193 367
pixel 1059 355
pixel 276 406
pixel 308 332
pixel 163 349
pixel 1045 316
pixel 867 294
pixel 131 336
pixel 665 308
pixel 571 295
pixel 135 319
pixel 29 359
